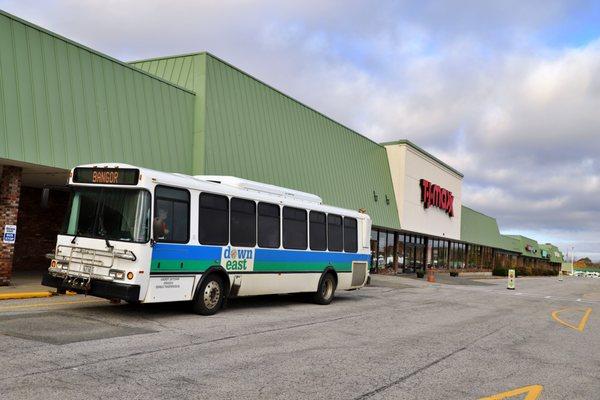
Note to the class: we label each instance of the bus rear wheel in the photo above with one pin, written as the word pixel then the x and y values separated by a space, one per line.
pixel 210 296
pixel 326 290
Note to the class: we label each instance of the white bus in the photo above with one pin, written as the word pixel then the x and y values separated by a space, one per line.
pixel 141 235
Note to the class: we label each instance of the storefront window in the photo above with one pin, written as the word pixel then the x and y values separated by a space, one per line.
pixel 389 251
pixel 456 256
pixel 374 234
pixel 419 252
pixel 473 256
pixel 400 251
pixel 409 255
pixel 381 250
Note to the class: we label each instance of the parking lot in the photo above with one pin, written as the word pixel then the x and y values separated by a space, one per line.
pixel 398 339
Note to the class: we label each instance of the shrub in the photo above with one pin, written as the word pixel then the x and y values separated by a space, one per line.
pixel 420 274
pixel 453 273
pixel 500 271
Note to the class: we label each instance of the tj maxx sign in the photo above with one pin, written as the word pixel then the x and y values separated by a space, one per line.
pixel 434 195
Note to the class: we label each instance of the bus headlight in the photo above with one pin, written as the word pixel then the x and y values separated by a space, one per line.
pixel 116 274
pixel 58 264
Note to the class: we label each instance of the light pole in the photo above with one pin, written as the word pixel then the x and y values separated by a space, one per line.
pixel 572 258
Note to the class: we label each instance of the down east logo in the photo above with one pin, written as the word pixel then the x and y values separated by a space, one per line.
pixel 236 259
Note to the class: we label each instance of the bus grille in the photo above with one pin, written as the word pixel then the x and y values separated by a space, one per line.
pixel 359 273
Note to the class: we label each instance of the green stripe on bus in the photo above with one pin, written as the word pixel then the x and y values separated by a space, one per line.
pixel 180 266
pixel 262 266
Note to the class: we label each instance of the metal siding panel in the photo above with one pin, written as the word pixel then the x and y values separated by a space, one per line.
pixel 24 97
pixel 111 114
pixel 266 136
pixel 101 110
pixel 66 103
pixel 144 120
pixel 62 104
pixel 84 151
pixel 56 128
pixel 90 106
pixel 133 120
pixel 125 132
pixel 40 98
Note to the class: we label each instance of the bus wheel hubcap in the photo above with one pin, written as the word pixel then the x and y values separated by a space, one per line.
pixel 212 294
pixel 328 289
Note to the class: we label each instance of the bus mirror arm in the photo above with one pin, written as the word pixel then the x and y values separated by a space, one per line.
pixel 152 242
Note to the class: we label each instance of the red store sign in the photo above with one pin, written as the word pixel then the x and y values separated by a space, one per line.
pixel 434 195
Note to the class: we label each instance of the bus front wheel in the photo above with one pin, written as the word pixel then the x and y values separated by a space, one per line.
pixel 326 290
pixel 210 295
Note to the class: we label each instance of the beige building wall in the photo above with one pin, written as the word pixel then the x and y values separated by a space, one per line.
pixel 408 165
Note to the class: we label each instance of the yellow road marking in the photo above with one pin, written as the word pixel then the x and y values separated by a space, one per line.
pixel 24 295
pixel 579 327
pixel 57 303
pixel 532 391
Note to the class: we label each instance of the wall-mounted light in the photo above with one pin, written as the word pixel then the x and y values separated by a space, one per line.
pixel 375 197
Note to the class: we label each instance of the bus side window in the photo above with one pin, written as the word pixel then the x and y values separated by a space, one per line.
pixel 268 225
pixel 350 235
pixel 318 231
pixel 213 226
pixel 171 215
pixel 335 233
pixel 243 222
pixel 295 235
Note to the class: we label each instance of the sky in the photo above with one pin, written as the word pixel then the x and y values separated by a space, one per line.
pixel 507 92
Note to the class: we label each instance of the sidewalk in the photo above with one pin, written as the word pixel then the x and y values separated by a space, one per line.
pixel 26 285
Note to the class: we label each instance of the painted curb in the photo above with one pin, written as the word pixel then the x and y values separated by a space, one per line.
pixel 24 295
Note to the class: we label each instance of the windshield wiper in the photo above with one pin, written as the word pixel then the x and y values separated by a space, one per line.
pixel 75 237
pixel 103 235
pixel 110 246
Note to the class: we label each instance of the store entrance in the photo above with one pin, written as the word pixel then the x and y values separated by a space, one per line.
pixel 397 253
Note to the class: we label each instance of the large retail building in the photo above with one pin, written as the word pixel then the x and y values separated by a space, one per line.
pixel 63 104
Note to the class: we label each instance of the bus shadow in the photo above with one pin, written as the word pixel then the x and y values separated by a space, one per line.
pixel 234 304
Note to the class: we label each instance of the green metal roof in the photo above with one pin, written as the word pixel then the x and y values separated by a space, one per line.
pixel 510 243
pixel 63 104
pixel 480 229
pixel 249 129
pixel 524 241
pixel 423 152
pixel 553 253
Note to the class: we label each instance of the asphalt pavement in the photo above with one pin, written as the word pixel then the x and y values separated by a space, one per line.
pixel 397 339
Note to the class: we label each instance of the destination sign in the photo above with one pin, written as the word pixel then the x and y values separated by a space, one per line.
pixel 106 176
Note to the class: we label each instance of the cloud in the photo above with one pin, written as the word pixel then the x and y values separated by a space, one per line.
pixel 493 88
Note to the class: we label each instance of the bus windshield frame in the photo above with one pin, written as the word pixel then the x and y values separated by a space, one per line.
pixel 109 213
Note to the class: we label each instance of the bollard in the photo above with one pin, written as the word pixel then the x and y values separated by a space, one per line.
pixel 430 275
pixel 511 279
pixel 560 276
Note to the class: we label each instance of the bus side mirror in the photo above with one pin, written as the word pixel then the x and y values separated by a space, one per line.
pixel 152 242
pixel 45 197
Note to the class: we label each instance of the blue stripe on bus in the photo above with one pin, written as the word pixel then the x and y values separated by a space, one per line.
pixel 169 251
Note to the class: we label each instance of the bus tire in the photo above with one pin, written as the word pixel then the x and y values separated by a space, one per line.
pixel 326 290
pixel 210 296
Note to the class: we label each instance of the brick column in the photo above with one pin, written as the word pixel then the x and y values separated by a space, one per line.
pixel 10 188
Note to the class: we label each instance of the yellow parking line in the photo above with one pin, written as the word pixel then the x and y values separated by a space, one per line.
pixel 57 303
pixel 581 326
pixel 532 391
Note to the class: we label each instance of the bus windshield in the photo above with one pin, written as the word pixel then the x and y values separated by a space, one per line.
pixel 109 213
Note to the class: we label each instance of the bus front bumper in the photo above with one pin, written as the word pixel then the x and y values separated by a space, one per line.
pixel 98 288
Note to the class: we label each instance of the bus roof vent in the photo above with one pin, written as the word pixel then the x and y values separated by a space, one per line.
pixel 261 187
